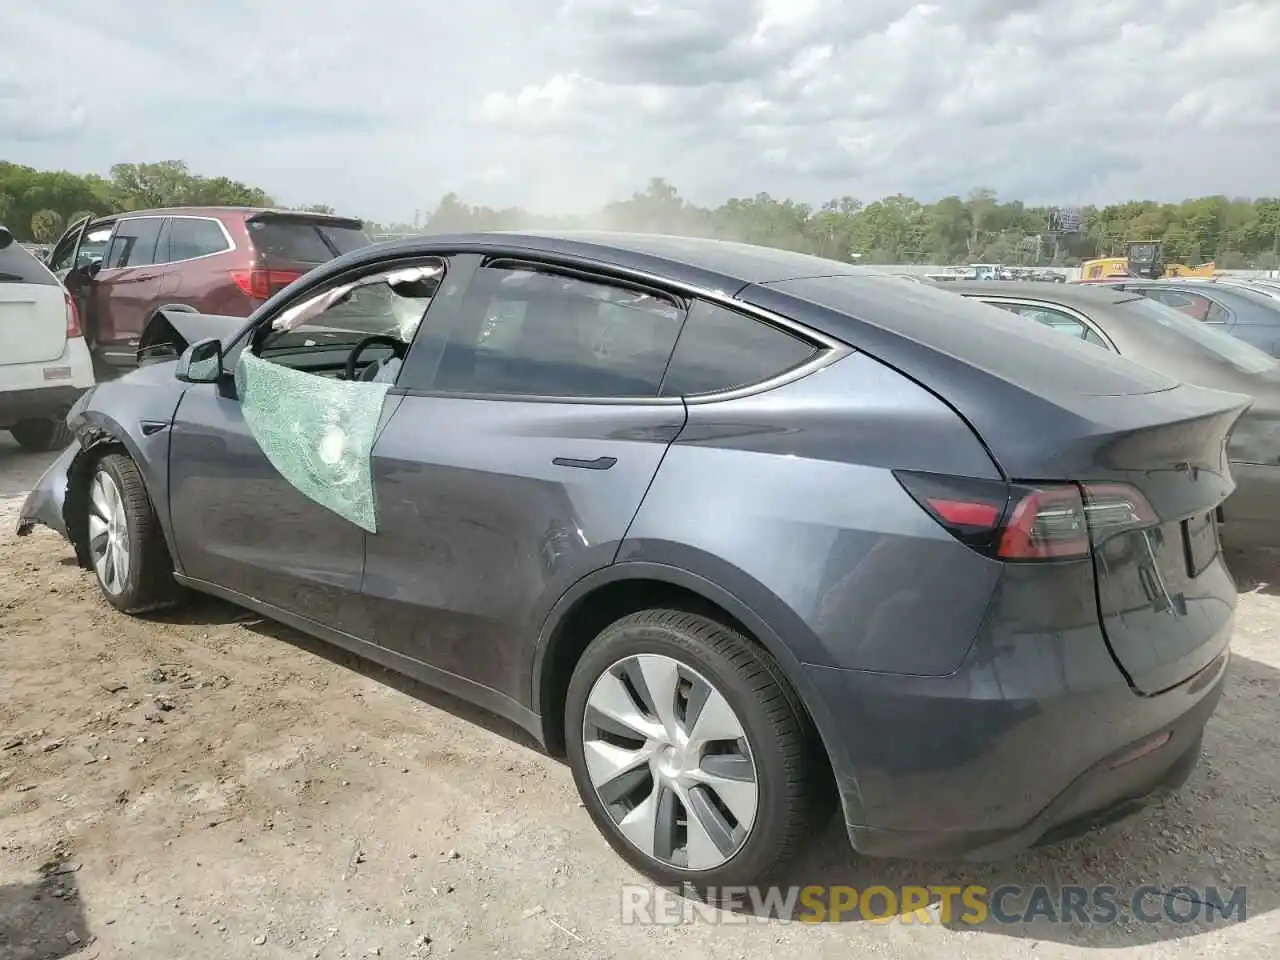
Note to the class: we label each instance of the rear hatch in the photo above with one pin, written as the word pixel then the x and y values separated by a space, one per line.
pixel 1147 454
pixel 33 310
pixel 289 244
pixel 1160 473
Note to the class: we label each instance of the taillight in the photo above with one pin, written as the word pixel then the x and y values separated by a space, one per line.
pixel 73 317
pixel 261 284
pixel 1020 522
pixel 1046 523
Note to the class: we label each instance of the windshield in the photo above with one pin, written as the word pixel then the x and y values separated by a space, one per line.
pixel 1222 345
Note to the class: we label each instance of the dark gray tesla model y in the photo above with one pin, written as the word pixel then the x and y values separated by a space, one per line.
pixel 720 524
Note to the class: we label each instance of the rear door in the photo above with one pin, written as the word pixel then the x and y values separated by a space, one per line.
pixel 128 285
pixel 287 245
pixel 515 462
pixel 33 314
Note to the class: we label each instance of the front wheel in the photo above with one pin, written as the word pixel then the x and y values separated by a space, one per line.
pixel 126 545
pixel 687 752
pixel 42 435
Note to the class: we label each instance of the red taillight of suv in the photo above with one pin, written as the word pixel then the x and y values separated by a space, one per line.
pixel 73 317
pixel 261 284
pixel 1019 522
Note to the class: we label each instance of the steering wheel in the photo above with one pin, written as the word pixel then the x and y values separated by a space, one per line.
pixel 397 346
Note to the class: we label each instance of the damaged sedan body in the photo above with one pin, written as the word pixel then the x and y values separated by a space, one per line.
pixel 728 528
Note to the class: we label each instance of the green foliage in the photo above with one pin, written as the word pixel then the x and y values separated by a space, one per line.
pixel 977 228
pixel 46 225
pixel 35 202
pixel 899 229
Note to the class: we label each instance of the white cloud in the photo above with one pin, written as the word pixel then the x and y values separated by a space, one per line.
pixel 381 107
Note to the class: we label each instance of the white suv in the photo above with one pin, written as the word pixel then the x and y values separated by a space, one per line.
pixel 44 363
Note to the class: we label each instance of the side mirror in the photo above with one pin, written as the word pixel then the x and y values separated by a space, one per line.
pixel 91 270
pixel 6 237
pixel 201 362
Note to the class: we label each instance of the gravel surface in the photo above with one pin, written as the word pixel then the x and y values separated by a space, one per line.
pixel 212 785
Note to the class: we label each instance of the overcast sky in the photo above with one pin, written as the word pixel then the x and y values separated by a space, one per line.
pixel 378 107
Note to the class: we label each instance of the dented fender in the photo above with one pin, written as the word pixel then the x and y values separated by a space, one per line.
pixel 133 414
pixel 45 503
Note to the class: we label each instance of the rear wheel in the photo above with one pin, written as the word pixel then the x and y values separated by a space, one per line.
pixel 687 751
pixel 126 546
pixel 44 434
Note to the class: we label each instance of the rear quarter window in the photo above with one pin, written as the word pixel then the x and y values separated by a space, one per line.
pixel 1027 355
pixel 17 265
pixel 722 349
pixel 190 238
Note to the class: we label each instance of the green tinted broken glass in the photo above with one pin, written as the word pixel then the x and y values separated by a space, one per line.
pixel 316 431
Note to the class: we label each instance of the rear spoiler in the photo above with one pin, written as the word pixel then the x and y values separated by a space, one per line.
pixel 170 332
pixel 311 219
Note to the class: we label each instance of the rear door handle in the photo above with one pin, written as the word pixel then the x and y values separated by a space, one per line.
pixel 599 463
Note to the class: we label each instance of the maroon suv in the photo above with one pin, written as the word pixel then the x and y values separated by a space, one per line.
pixel 225 260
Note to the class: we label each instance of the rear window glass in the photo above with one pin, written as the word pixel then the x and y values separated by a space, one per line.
pixel 1236 352
pixel 303 242
pixel 1028 355
pixel 345 240
pixel 17 265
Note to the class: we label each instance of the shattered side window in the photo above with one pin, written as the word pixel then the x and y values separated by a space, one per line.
pixel 317 432
pixel 319 333
pixel 315 426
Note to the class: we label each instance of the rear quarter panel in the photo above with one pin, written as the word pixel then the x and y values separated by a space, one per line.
pixel 786 499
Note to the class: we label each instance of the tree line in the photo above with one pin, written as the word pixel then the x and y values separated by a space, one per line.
pixel 37 205
pixel 978 228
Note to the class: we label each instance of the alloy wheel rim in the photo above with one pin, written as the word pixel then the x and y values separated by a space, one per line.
pixel 670 762
pixel 108 534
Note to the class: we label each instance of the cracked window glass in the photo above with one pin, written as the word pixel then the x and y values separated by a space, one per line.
pixel 312 390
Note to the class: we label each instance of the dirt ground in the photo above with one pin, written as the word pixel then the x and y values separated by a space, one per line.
pixel 212 785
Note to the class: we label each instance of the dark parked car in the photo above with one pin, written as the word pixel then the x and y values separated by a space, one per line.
pixel 224 260
pixel 720 524
pixel 1159 336
pixel 1249 315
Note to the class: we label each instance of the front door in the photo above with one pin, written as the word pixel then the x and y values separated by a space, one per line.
pixel 269 473
pixel 240 525
pixel 514 464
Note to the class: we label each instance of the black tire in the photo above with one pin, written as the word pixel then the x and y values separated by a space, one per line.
pixel 41 436
pixel 779 737
pixel 149 583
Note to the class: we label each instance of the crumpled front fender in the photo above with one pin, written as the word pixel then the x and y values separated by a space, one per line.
pixel 44 504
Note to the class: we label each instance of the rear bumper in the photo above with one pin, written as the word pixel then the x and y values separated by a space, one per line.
pixel 34 391
pixel 1251 515
pixel 36 404
pixel 948 768
pixel 44 504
